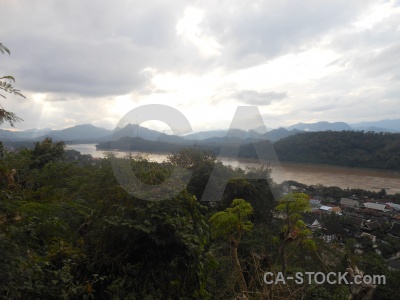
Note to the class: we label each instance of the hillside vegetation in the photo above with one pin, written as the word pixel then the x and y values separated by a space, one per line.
pixel 345 148
pixel 68 230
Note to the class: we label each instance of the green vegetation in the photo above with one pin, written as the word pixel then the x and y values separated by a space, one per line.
pixel 69 231
pixel 345 148
pixel 231 224
pixel 6 86
pixel 294 230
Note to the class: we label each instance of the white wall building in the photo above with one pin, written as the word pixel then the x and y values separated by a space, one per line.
pixel 376 206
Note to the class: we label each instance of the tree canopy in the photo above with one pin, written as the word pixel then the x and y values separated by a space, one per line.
pixel 6 85
pixel 345 148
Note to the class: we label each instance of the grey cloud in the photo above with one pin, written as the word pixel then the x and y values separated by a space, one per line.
pixel 384 63
pixel 79 48
pixel 257 98
pixel 254 33
pixel 383 32
pixel 371 52
pixel 95 69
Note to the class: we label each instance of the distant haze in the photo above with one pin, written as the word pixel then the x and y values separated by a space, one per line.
pixel 89 133
pixel 80 62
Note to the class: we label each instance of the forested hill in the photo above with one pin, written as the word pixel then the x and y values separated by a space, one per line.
pixel 345 148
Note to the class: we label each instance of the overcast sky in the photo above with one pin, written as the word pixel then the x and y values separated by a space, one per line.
pixel 82 61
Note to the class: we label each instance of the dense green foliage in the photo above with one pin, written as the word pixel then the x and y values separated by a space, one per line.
pixel 345 148
pixel 230 225
pixel 69 231
pixel 6 86
pixel 294 230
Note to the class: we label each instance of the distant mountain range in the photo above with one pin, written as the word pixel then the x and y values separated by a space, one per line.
pixel 376 126
pixel 322 142
pixel 88 133
pixel 379 126
pixel 321 126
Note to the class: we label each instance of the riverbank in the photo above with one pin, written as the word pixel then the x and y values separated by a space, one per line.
pixel 306 173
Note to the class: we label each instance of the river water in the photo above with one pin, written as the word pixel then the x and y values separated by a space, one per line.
pixel 310 174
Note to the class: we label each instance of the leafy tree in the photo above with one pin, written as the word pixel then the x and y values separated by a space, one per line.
pixel 68 230
pixel 256 187
pixel 391 290
pixel 294 230
pixel 6 85
pixel 351 244
pixel 202 163
pixel 231 224
pixel 151 248
pixel 46 151
pixel 344 148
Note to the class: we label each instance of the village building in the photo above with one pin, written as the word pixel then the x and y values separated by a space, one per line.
pixel 371 237
pixel 394 231
pixel 370 225
pixel 332 232
pixel 376 206
pixel 312 221
pixel 394 206
pixel 353 221
pixel 349 202
pixel 331 209
pixel 315 203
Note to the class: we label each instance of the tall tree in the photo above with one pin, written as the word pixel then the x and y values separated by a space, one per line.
pixel 231 224
pixel 294 230
pixel 47 151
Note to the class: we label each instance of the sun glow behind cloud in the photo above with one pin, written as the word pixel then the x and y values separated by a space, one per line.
pixel 189 28
pixel 288 69
pixel 297 61
pixel 46 108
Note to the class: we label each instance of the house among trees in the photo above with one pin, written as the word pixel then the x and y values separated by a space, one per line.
pixel 376 206
pixel 381 221
pixel 312 222
pixel 315 225
pixel 369 236
pixel 332 232
pixel 353 221
pixel 331 209
pixel 370 225
pixel 349 202
pixel 394 206
pixel 315 203
pixel 351 211
pixel 325 208
pixel 360 223
pixel 337 210
pixel 394 231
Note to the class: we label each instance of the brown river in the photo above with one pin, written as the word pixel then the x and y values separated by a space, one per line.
pixel 310 174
